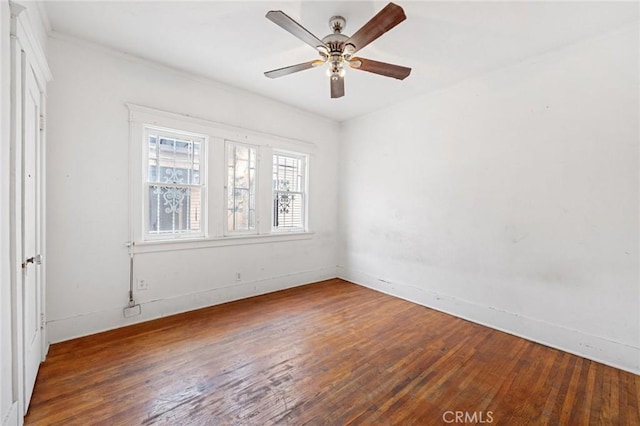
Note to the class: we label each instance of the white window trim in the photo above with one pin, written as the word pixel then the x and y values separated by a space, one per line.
pixel 236 240
pixel 215 210
pixel 305 186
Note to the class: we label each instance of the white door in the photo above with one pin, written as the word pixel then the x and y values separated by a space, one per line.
pixel 32 289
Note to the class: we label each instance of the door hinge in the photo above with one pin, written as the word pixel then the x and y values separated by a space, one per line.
pixel 41 321
pixel 42 123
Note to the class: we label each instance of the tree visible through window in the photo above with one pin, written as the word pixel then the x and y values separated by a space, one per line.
pixel 289 191
pixel 174 184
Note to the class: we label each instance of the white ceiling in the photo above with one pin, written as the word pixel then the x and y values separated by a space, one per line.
pixel 232 42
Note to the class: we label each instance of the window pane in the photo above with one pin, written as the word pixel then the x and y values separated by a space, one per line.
pixel 174 209
pixel 287 173
pixel 252 184
pixel 230 189
pixel 174 188
pixel 153 158
pixel 153 170
pixel 288 191
pixel 288 210
pixel 241 187
pixel 242 152
pixel 242 174
pixel 241 203
pixel 173 160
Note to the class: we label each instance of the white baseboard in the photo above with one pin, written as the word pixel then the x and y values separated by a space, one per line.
pixel 605 351
pixel 69 328
pixel 45 351
pixel 12 418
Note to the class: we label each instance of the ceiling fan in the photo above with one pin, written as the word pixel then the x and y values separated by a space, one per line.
pixel 338 49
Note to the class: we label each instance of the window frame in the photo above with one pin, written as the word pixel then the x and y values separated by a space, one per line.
pixel 214 207
pixel 304 158
pixel 203 177
pixel 255 230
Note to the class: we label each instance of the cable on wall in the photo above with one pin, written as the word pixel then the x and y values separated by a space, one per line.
pixel 132 308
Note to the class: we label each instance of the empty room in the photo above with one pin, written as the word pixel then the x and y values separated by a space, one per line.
pixel 319 212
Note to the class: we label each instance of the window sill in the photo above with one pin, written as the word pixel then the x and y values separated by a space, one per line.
pixel 233 240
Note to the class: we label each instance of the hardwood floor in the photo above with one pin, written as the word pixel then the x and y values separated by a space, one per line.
pixel 326 353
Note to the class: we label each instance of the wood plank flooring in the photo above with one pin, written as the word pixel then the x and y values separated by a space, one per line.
pixel 327 353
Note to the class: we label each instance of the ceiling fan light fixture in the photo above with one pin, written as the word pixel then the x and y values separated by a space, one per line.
pixel 337 75
pixel 335 72
pixel 349 49
pixel 337 48
pixel 336 67
pixel 323 50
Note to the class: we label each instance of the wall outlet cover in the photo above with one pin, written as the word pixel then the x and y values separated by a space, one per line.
pixel 132 311
pixel 142 284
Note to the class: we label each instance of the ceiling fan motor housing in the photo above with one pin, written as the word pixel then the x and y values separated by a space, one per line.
pixel 335 44
pixel 335 41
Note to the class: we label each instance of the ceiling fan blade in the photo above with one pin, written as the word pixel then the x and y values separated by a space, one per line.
pixel 280 18
pixel 337 87
pixel 293 68
pixel 382 68
pixel 387 18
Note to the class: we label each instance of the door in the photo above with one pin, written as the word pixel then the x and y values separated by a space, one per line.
pixel 31 219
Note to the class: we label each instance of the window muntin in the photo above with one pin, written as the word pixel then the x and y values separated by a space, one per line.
pixel 174 183
pixel 289 191
pixel 241 188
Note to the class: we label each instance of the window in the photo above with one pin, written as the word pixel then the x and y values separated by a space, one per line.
pixel 196 183
pixel 289 190
pixel 241 188
pixel 175 184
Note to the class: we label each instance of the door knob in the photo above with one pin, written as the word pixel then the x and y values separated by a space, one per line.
pixel 26 262
pixel 37 259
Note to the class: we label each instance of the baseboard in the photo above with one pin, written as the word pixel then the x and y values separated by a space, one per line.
pixel 12 418
pixel 596 348
pixel 69 328
pixel 45 352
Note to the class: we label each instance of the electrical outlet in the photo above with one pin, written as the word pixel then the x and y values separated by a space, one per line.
pixel 142 284
pixel 238 277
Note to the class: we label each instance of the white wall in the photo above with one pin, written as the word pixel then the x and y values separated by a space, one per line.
pixel 510 199
pixel 87 195
pixel 38 20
